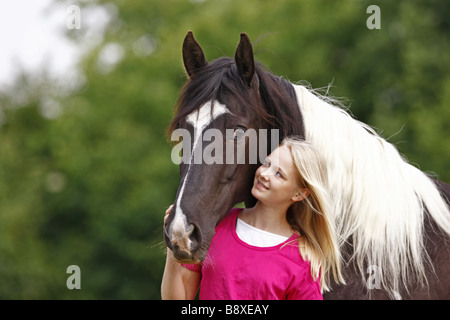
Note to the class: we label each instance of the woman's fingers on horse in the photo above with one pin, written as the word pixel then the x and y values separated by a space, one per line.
pixel 169 209
pixel 167 212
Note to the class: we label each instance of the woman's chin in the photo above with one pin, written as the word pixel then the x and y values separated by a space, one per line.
pixel 255 192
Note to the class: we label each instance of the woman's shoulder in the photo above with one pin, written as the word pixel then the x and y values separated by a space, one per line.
pixel 303 285
pixel 291 250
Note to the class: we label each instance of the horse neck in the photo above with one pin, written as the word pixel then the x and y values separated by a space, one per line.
pixel 279 100
pixel 378 198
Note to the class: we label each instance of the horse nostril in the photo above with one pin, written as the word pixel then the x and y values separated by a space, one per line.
pixel 195 235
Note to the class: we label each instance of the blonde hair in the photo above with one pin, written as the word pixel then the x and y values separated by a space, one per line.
pixel 312 217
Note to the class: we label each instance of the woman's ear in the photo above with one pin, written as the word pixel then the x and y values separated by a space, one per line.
pixel 300 195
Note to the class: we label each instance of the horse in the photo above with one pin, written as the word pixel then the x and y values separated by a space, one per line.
pixel 392 220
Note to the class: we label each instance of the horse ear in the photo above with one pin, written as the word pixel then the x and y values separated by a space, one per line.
pixel 244 59
pixel 193 56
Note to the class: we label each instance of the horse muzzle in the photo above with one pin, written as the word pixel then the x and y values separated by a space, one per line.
pixel 184 241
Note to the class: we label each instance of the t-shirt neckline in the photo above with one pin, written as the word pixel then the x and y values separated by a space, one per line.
pixel 293 237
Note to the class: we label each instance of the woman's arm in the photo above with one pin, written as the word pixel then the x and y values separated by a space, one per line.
pixel 178 283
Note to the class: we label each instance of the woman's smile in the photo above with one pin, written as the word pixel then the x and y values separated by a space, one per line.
pixel 260 185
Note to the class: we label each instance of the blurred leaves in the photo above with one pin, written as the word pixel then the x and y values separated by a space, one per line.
pixel 85 170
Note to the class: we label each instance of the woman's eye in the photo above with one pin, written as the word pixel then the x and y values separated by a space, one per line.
pixel 239 132
pixel 265 163
pixel 278 174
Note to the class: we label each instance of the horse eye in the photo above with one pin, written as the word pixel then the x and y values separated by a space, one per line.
pixel 239 132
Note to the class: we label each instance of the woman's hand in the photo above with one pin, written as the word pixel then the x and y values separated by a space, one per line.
pixel 167 212
pixel 166 215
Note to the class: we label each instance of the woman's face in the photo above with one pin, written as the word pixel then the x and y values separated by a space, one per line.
pixel 275 180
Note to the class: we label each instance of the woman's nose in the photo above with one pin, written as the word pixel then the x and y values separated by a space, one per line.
pixel 265 175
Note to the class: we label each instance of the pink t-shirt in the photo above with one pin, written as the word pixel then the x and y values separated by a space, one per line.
pixel 235 270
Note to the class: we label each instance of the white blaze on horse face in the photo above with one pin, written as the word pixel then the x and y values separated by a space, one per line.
pixel 199 119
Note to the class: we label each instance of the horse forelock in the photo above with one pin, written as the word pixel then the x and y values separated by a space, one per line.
pixel 274 105
pixel 204 86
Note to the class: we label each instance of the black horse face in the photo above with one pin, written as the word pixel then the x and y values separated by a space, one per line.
pixel 218 150
pixel 212 181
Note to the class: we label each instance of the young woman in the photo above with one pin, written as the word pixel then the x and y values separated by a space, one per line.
pixel 282 248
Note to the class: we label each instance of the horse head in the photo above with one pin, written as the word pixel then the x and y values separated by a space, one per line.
pixel 221 111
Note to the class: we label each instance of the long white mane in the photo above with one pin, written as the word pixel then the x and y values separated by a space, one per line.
pixel 378 197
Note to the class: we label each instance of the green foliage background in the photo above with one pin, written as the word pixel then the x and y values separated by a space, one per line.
pixel 89 184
